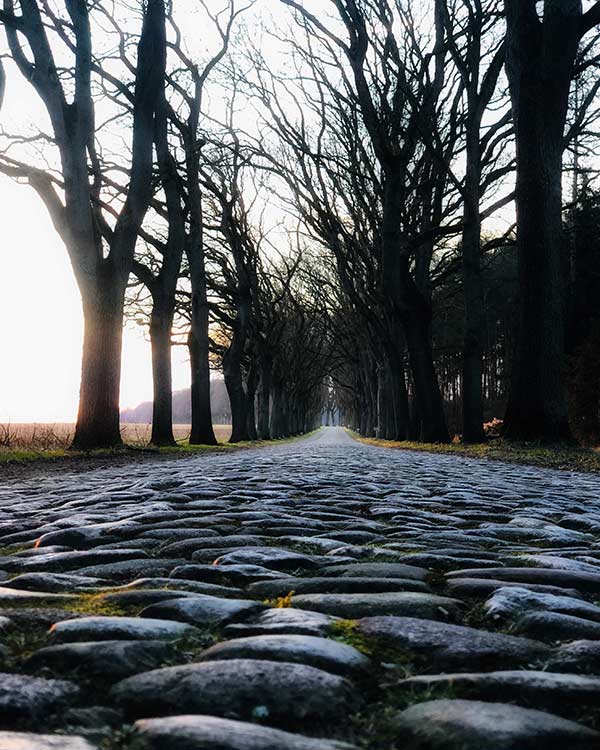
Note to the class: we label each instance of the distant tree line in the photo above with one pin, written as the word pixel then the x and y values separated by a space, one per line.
pixel 363 206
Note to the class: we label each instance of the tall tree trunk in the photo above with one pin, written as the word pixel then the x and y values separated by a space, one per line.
pixel 251 383
pixel 202 432
pixel 264 397
pixel 474 326
pixel 162 408
pixel 536 408
pixel 414 312
pixel 540 59
pixel 98 423
pixel 427 392
pixel 277 426
pixel 234 382
pixel 398 391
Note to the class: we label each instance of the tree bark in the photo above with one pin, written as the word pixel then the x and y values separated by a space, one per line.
pixel 401 417
pixel 540 59
pixel 202 431
pixel 234 382
pixel 98 417
pixel 277 418
pixel 264 397
pixel 472 365
pixel 251 383
pixel 162 408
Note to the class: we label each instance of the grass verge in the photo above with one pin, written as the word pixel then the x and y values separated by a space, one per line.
pixel 562 457
pixel 106 456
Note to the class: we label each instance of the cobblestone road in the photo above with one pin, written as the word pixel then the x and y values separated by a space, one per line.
pixel 318 595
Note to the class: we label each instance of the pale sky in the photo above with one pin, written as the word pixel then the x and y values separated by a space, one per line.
pixel 40 310
pixel 41 321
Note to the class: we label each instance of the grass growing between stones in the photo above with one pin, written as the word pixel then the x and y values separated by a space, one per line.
pixel 95 605
pixel 559 456
pixel 125 738
pixel 381 652
pixel 280 602
pixel 374 727
pixel 21 643
pixel 14 550
pixel 346 631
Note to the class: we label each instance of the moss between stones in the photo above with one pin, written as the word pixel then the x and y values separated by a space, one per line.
pixel 14 549
pixel 346 631
pixel 96 605
pixel 476 617
pixel 22 643
pixel 280 602
pixel 124 738
pixel 377 649
pixel 374 728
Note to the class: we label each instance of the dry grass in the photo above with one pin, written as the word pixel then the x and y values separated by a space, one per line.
pixel 56 437
pixel 566 457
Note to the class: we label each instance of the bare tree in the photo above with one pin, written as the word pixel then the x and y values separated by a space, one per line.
pixel 477 50
pixel 541 52
pixel 99 238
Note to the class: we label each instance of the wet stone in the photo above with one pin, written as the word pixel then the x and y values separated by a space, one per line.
pixel 212 733
pixel 377 570
pixel 554 626
pixel 54 582
pixel 588 583
pixel 280 693
pixel 201 543
pixel 85 537
pixel 127 569
pixel 445 562
pixel 579 656
pixel 181 584
pixel 27 741
pixel 204 611
pixel 532 689
pixel 473 725
pixel 121 628
pixel 238 575
pixel 361 536
pixel 36 617
pixel 322 653
pixel 65 561
pixel 282 622
pixel 479 587
pixel 277 588
pixel 25 700
pixel 15 596
pixel 268 557
pixel 142 597
pixel 449 646
pixel 406 604
pixel 513 602
pixel 113 660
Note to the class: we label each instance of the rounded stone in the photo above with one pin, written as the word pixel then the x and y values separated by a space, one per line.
pixel 322 653
pixel 280 693
pixel 403 604
pixel 121 628
pixel 27 741
pixel 473 725
pixel 212 733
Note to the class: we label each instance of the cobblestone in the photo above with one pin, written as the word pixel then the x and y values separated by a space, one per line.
pixel 318 594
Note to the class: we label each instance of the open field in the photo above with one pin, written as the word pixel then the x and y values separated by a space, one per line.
pixel 58 436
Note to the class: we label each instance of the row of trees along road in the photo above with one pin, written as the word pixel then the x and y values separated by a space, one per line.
pixel 362 204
